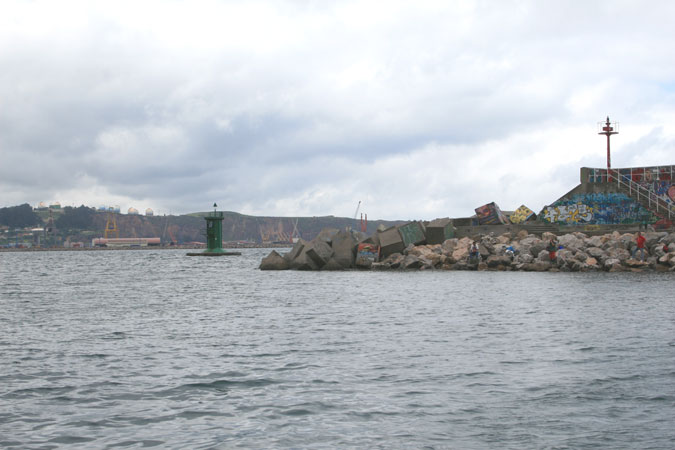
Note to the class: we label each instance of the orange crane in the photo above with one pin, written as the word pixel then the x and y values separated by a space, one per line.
pixel 111 225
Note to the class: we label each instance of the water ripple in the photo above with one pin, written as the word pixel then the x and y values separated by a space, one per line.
pixel 132 349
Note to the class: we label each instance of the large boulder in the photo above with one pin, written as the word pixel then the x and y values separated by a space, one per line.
pixel 487 244
pixel 570 241
pixel 595 252
pixel 504 238
pixel 595 241
pixel 274 261
pixel 394 260
pixel 532 245
pixel 547 236
pixel 538 266
pixel 494 261
pixel 449 246
pixel 592 263
pixel 619 253
pixel 581 256
pixel 460 253
pixel 537 248
pixel 523 258
pixel 611 263
pixel 421 250
pixel 412 262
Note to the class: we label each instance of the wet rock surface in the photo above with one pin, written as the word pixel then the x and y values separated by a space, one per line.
pixel 576 252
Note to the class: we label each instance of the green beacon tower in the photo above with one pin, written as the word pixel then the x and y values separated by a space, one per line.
pixel 214 235
pixel 214 231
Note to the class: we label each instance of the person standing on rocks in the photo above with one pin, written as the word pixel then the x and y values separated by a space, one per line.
pixel 640 245
pixel 552 249
pixel 474 254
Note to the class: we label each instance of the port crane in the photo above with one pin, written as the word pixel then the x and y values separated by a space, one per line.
pixel 111 225
pixel 363 223
pixel 356 213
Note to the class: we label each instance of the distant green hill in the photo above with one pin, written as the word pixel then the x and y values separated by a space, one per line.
pixel 83 224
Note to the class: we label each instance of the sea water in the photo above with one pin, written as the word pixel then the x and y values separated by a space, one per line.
pixel 130 349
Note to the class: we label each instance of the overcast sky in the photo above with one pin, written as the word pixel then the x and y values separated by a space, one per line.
pixel 304 108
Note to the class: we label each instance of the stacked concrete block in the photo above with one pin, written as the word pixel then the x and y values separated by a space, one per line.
pixel 326 235
pixel 390 242
pixel 274 261
pixel 343 245
pixel 366 255
pixel 412 233
pixel 319 252
pixel 439 231
pixel 296 250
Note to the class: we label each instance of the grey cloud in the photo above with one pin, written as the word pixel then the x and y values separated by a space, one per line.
pixel 259 120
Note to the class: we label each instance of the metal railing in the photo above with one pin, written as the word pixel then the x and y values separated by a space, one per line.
pixel 645 174
pixel 655 203
pixel 632 180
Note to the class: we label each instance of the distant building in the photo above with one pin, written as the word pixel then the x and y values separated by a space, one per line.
pixel 55 205
pixel 148 212
pixel 132 211
pixel 126 242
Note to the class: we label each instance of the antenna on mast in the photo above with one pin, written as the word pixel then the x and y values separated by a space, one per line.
pixel 608 130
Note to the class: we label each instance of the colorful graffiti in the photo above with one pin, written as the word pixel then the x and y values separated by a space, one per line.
pixel 597 208
pixel 490 214
pixel 658 180
pixel 367 254
pixel 522 214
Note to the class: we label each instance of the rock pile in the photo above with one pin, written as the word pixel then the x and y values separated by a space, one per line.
pixel 578 252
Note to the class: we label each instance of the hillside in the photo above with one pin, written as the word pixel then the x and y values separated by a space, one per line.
pixel 84 224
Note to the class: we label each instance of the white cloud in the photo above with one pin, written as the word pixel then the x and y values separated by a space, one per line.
pixel 292 108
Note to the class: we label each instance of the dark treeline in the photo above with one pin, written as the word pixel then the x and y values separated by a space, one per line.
pixel 19 216
pixel 81 218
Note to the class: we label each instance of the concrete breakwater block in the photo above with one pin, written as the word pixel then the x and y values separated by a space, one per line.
pixel 412 233
pixel 390 242
pixel 490 214
pixel 439 231
pixel 343 245
pixel 303 261
pixel 274 261
pixel 298 247
pixel 319 252
pixel 366 255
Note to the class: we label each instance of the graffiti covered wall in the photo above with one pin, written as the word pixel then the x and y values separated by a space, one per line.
pixel 660 179
pixel 597 208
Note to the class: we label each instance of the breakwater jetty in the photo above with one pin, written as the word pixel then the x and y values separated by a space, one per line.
pixel 522 251
pixel 591 228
